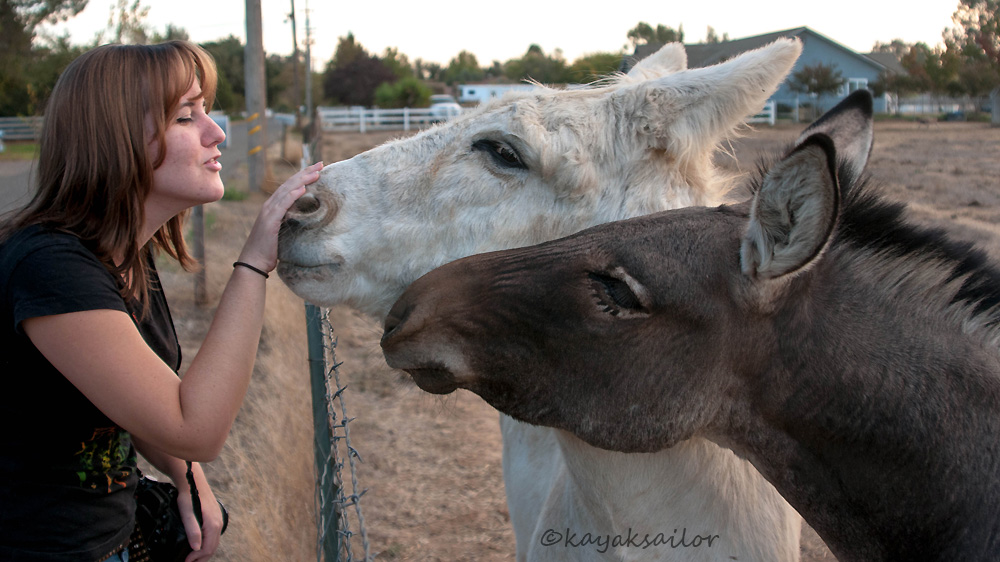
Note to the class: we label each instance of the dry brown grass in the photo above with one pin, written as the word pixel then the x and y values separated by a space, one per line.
pixel 432 465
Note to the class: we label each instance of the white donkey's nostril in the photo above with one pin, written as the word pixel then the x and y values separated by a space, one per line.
pixel 312 210
pixel 307 204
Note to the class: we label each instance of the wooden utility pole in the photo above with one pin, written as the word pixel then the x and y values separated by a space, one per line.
pixel 295 71
pixel 995 110
pixel 309 72
pixel 256 96
pixel 198 253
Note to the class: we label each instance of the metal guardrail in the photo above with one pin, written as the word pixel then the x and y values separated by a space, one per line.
pixel 20 128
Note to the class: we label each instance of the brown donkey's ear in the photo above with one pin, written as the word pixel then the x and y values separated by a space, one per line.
pixel 850 126
pixel 793 214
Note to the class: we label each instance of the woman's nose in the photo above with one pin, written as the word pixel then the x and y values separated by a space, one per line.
pixel 214 135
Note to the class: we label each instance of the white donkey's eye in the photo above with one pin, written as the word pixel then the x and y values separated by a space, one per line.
pixel 502 153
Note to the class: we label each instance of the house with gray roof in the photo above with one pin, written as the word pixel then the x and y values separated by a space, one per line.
pixel 858 70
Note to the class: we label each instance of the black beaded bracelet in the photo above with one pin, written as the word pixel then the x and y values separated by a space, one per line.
pixel 251 268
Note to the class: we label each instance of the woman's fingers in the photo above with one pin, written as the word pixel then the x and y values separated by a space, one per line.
pixel 261 248
pixel 302 178
pixel 211 531
pixel 191 525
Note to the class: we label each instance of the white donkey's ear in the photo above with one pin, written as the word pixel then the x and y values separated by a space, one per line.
pixel 793 215
pixel 694 108
pixel 668 59
pixel 849 124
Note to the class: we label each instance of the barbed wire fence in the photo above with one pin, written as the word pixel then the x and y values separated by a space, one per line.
pixel 338 503
pixel 338 507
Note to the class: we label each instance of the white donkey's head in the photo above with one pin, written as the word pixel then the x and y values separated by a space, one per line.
pixel 528 168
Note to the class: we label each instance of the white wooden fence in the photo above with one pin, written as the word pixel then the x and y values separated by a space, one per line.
pixel 766 115
pixel 339 119
pixel 20 128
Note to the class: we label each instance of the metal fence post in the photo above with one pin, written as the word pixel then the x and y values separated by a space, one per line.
pixel 323 439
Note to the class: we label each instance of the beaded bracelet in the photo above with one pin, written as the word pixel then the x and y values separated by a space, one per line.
pixel 251 268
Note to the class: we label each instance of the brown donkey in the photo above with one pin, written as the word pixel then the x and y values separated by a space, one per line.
pixel 849 355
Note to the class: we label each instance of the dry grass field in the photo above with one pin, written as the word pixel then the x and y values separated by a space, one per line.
pixel 432 465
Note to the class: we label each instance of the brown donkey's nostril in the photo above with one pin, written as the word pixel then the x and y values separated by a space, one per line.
pixel 397 315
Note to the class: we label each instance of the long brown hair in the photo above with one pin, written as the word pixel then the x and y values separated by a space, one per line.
pixel 94 171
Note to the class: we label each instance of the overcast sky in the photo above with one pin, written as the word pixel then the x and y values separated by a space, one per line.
pixel 437 30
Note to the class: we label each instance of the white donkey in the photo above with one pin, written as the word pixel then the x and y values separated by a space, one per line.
pixel 531 167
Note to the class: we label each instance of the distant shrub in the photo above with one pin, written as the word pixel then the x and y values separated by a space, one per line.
pixel 405 92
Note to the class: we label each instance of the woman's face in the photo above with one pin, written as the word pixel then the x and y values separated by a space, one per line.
pixel 189 174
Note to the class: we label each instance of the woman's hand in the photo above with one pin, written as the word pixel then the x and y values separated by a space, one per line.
pixel 261 248
pixel 204 538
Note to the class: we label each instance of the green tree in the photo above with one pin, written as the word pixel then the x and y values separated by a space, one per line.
pixel 405 92
pixel 462 68
pixel 536 65
pixel 896 47
pixel 977 37
pixel 427 70
pixel 978 27
pixel 595 66
pixel 278 83
pixel 127 23
pixel 817 79
pixel 32 13
pixel 643 34
pixel 495 70
pixel 18 22
pixel 713 38
pixel 959 68
pixel 352 75
pixel 230 96
pixel 398 62
pixel 170 32
pixel 355 83
pixel 933 70
pixel 48 62
pixel 348 49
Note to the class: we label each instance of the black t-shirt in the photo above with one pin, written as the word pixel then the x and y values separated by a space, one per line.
pixel 67 472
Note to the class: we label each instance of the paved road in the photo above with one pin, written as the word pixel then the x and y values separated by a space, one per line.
pixel 16 176
pixel 14 181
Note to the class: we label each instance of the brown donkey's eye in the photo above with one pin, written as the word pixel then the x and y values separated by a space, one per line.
pixel 616 291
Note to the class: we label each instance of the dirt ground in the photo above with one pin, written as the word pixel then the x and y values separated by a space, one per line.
pixel 431 465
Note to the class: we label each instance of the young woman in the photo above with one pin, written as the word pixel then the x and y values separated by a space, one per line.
pixel 87 346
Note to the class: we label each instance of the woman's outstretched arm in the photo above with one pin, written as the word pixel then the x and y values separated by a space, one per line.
pixel 105 357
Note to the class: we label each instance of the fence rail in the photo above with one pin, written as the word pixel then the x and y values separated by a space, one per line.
pixel 766 115
pixel 336 119
pixel 20 128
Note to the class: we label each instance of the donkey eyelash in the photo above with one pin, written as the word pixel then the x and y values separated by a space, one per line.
pixel 614 294
pixel 502 153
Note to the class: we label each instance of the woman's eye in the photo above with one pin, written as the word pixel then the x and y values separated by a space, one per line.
pixel 616 291
pixel 501 152
pixel 185 119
